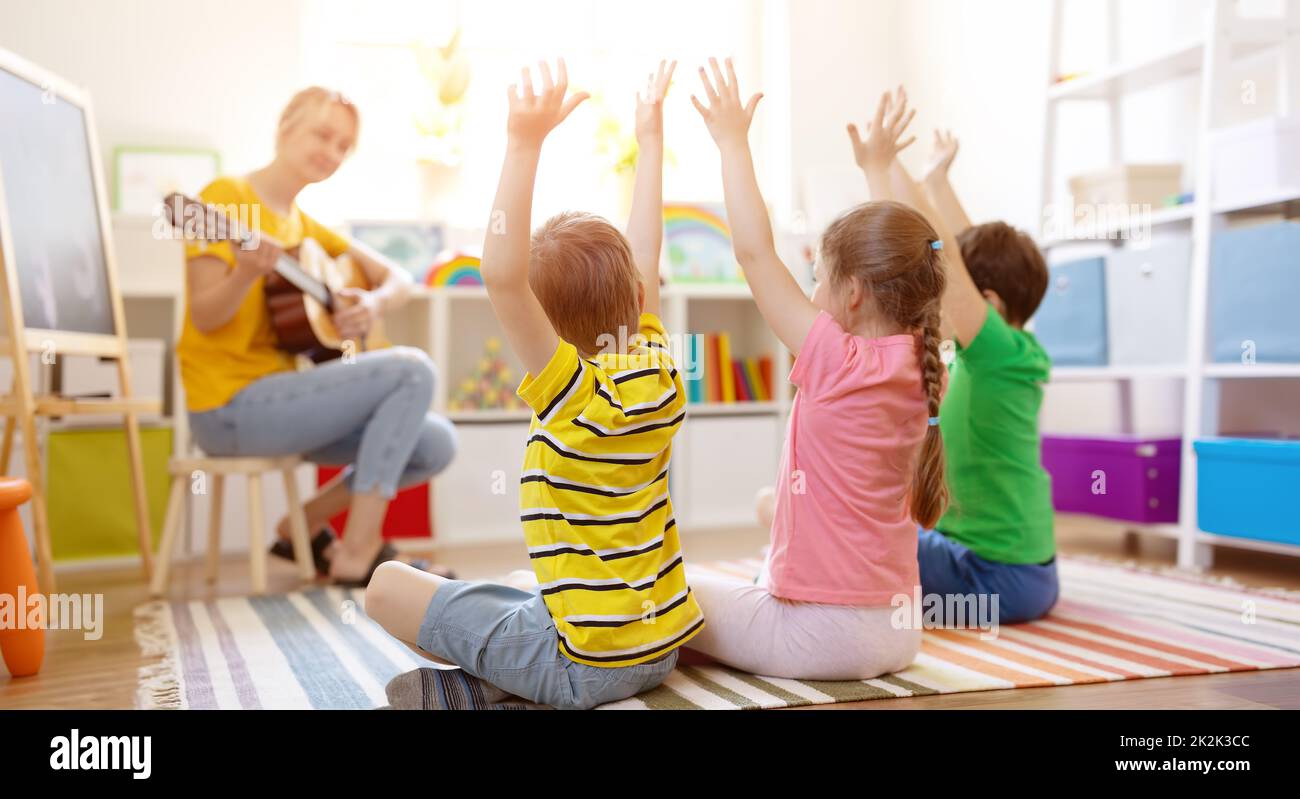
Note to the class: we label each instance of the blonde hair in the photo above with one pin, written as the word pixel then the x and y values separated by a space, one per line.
pixel 310 101
pixel 580 268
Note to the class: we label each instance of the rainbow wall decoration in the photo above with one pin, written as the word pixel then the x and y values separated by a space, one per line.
pixel 455 269
pixel 698 242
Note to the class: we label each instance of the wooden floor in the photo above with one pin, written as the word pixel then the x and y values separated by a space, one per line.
pixel 102 674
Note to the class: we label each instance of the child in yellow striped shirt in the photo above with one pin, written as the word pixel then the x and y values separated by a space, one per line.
pixel 580 306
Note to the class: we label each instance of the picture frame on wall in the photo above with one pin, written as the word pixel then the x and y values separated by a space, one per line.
pixel 142 176
pixel 412 245
pixel 697 244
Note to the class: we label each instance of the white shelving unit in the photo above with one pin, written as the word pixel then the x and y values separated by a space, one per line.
pixel 1226 38
pixel 720 459
pixel 725 453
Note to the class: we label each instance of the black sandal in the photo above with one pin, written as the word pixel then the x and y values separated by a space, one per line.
pixel 387 553
pixel 319 543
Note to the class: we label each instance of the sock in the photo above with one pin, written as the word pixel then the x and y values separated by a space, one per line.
pixel 450 689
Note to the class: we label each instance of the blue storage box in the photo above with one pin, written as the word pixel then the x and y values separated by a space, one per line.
pixel 1254 288
pixel 1146 303
pixel 1246 488
pixel 1071 322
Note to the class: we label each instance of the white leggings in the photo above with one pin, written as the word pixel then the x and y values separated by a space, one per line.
pixel 747 628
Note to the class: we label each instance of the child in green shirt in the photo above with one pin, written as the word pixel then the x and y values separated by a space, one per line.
pixel 996 537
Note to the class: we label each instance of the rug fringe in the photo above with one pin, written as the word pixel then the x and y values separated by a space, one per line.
pixel 1222 581
pixel 159 683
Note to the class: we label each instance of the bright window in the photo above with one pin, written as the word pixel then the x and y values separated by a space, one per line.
pixel 372 53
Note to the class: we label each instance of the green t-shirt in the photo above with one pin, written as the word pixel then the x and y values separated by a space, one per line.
pixel 1001 495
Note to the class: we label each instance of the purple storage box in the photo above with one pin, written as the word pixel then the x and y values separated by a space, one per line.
pixel 1118 477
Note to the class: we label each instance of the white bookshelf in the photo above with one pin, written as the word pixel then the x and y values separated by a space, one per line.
pixel 1226 38
pixel 721 457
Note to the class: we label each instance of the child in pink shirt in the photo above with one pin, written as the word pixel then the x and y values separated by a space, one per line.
pixel 862 464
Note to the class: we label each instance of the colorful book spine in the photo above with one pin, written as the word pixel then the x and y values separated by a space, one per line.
pixel 756 380
pixel 744 390
pixel 765 371
pixel 713 370
pixel 728 377
pixel 695 356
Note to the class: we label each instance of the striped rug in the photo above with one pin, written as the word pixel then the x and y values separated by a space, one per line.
pixel 318 649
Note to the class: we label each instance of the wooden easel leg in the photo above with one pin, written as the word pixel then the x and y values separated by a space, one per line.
pixel 7 450
pixel 298 528
pixel 35 476
pixel 143 526
pixel 217 498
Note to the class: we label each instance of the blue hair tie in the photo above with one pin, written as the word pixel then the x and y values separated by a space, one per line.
pixel 934 421
pixel 936 245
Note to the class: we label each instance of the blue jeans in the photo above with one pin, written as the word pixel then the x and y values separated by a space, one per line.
pixel 371 416
pixel 1025 591
pixel 506 637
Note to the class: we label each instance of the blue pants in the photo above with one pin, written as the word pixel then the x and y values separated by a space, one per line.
pixel 1025 591
pixel 507 637
pixel 370 415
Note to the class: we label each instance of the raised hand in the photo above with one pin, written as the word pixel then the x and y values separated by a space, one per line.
pixel 650 102
pixel 535 114
pixel 726 118
pixel 882 144
pixel 941 158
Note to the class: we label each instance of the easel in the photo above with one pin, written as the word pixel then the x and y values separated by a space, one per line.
pixel 22 407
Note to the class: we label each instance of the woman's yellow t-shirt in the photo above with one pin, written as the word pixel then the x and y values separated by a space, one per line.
pixel 215 366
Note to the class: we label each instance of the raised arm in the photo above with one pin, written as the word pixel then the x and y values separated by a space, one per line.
pixel 505 250
pixel 964 307
pixel 645 225
pixel 938 187
pixel 786 308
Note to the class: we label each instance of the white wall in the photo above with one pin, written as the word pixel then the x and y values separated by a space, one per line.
pixel 168 74
pixel 980 67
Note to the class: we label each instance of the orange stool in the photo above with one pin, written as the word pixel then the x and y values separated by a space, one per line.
pixel 22 646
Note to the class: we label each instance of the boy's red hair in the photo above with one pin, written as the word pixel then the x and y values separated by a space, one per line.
pixel 580 267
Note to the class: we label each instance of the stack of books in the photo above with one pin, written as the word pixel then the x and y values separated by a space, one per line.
pixel 724 378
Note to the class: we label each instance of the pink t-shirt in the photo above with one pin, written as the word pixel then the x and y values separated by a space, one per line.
pixel 842 532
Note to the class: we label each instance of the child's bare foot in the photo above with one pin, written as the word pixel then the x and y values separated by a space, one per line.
pixel 765 506
pixel 522 579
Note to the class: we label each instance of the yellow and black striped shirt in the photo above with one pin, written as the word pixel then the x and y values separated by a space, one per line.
pixel 594 501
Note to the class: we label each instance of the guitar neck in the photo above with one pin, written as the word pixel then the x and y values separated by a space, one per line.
pixel 289 269
pixel 201 220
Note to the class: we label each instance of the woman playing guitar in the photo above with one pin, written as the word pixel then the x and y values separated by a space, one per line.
pixel 244 395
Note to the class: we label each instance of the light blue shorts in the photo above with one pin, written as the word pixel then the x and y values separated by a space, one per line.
pixel 506 637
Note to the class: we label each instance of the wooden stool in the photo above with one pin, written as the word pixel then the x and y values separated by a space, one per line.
pixel 217 469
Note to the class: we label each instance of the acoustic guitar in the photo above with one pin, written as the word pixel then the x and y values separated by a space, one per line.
pixel 302 294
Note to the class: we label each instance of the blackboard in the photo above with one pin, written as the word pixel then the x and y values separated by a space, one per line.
pixel 54 226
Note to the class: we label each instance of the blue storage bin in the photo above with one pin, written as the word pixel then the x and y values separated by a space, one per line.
pixel 1254 288
pixel 1246 488
pixel 1071 322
